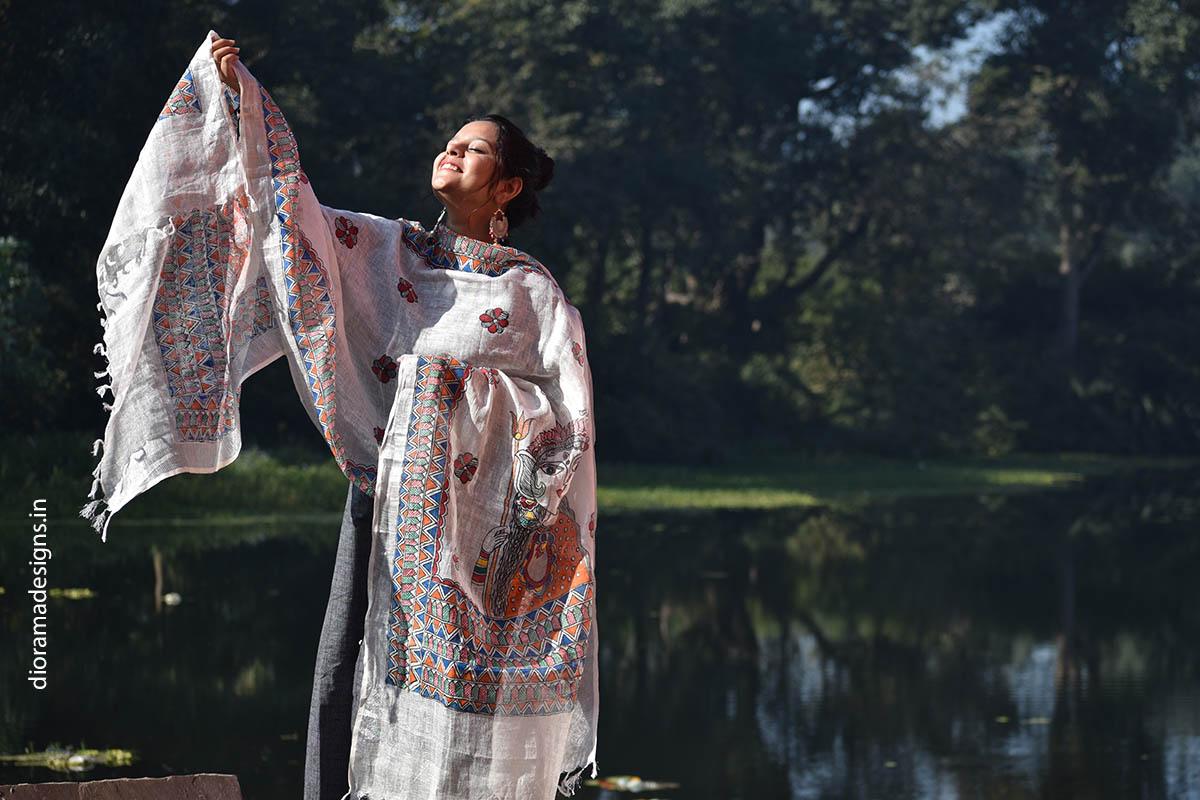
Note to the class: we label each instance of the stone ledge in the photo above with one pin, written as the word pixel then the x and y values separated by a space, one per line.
pixel 206 786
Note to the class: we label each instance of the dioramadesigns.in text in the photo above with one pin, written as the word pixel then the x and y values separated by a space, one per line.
pixel 39 676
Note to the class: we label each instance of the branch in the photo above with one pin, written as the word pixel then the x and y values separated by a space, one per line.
pixel 831 255
pixel 1091 258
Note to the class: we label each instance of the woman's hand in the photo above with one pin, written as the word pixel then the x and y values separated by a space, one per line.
pixel 226 56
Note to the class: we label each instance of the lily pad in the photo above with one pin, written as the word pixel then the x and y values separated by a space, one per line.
pixel 73 593
pixel 68 759
pixel 630 783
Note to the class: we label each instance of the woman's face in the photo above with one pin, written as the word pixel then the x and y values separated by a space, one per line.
pixel 466 165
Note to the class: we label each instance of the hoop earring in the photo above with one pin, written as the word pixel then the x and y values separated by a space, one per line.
pixel 498 226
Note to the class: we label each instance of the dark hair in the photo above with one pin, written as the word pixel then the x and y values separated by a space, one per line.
pixel 519 157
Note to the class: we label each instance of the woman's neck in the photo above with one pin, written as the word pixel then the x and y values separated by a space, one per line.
pixel 476 228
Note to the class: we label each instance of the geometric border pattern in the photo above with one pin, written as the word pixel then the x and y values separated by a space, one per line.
pixel 440 643
pixel 233 102
pixel 261 319
pixel 190 314
pixel 445 249
pixel 310 306
pixel 183 99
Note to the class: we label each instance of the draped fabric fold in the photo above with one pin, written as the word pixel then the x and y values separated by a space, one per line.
pixel 449 378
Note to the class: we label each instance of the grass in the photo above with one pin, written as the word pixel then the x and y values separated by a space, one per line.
pixel 262 487
pixel 779 481
pixel 775 481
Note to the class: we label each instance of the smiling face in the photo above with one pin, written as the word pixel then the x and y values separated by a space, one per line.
pixel 466 179
pixel 467 164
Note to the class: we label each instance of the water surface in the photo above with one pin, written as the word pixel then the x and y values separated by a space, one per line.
pixel 993 646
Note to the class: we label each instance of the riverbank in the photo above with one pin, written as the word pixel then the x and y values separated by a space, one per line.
pixel 276 486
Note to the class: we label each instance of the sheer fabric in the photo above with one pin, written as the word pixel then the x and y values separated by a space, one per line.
pixel 450 379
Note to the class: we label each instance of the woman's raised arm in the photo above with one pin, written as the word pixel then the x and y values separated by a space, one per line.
pixel 225 53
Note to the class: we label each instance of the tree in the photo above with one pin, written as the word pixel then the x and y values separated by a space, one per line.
pixel 1104 91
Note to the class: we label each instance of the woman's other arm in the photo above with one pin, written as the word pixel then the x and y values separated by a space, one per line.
pixel 225 53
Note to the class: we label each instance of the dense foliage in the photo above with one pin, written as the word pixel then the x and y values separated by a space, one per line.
pixel 769 237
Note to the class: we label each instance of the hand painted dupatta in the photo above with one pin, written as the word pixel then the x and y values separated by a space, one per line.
pixel 449 378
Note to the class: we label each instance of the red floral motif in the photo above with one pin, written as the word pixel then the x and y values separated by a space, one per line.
pixel 379 435
pixel 495 320
pixel 465 466
pixel 577 351
pixel 488 374
pixel 384 368
pixel 347 232
pixel 406 289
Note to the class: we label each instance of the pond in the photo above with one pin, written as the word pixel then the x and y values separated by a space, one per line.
pixel 1007 645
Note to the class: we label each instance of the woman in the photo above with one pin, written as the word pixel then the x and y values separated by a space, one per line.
pixel 486 179
pixel 448 374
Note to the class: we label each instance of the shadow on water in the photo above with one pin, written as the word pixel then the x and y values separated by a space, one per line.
pixel 1038 645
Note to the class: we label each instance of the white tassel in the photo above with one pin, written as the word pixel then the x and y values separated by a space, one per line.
pixel 98 513
pixel 568 786
pixel 569 783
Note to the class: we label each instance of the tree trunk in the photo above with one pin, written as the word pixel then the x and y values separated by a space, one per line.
pixel 597 281
pixel 1066 340
pixel 641 301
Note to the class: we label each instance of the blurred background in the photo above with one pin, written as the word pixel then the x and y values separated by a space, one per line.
pixel 892 311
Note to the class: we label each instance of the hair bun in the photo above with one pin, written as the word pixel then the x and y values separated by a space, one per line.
pixel 545 170
pixel 520 157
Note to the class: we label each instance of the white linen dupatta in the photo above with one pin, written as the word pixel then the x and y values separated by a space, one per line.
pixel 449 377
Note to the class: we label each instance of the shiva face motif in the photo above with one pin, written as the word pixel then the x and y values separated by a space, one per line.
pixel 541 480
pixel 523 544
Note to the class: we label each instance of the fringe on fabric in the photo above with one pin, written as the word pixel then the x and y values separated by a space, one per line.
pixel 569 783
pixel 97 511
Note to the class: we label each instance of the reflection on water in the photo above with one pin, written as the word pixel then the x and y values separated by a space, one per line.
pixel 1010 646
